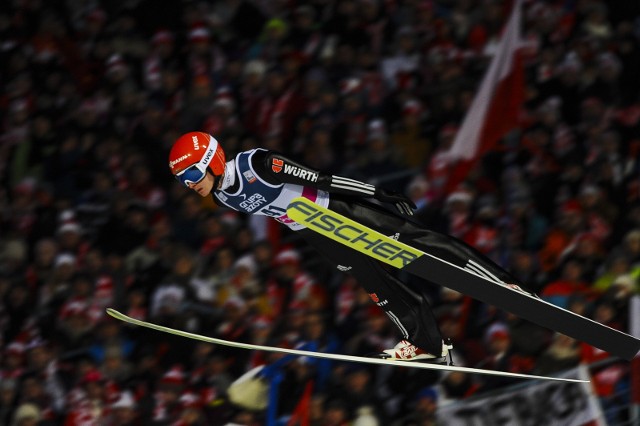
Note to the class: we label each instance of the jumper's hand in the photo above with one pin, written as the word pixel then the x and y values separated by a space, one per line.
pixel 403 203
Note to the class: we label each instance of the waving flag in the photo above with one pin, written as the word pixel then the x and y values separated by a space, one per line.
pixel 495 108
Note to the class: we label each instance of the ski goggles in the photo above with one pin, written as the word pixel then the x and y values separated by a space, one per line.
pixel 196 172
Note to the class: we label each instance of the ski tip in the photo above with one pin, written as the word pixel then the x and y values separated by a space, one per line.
pixel 576 380
pixel 115 314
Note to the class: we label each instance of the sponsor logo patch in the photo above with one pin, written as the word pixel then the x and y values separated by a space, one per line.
pixel 207 156
pixel 250 177
pixel 253 202
pixel 377 301
pixel 300 173
pixel 352 234
pixel 276 165
pixel 177 160
pixel 195 143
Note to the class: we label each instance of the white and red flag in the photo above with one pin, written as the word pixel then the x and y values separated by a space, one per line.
pixel 496 106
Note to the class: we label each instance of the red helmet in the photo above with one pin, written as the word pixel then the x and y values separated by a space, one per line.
pixel 192 153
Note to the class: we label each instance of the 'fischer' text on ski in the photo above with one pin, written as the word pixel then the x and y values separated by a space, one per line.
pixel 360 239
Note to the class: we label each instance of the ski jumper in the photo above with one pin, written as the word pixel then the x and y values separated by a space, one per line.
pixel 264 182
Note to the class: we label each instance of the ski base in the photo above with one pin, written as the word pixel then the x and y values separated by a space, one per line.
pixel 336 357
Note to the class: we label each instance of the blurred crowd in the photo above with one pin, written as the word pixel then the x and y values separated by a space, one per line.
pixel 95 92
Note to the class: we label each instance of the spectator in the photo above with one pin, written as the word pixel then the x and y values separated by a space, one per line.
pixel 587 251
pixel 335 414
pixel 167 406
pixel 8 397
pixel 458 213
pixel 111 342
pixel 631 246
pixel 263 253
pixel 222 273
pixel 501 357
pixel 374 335
pixel 405 59
pixel 458 386
pixel 42 266
pixel 524 265
pixel 235 326
pixel 524 225
pixel 528 339
pixel 170 295
pixel 292 285
pixel 355 390
pixel 242 285
pixel 562 354
pixel 17 309
pixel 115 367
pixel 570 222
pixel 409 136
pixel 32 392
pixel 569 283
pixel 319 151
pixel 616 265
pixel 483 232
pixel 379 155
pixel 27 415
pixel 192 413
pixel 75 325
pixel 123 411
pixel 92 398
pixel 424 409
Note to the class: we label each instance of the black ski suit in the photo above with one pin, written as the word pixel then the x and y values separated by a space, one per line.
pixel 264 182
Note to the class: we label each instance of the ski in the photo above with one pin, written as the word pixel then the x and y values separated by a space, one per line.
pixel 509 298
pixel 336 357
